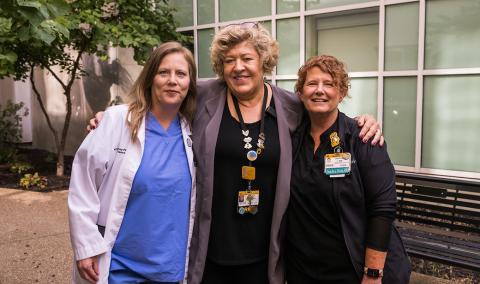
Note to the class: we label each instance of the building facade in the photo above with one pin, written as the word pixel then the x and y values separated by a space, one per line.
pixel 415 65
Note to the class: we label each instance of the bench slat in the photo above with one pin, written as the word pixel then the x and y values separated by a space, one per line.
pixel 442 192
pixel 442 258
pixel 439 224
pixel 471 244
pixel 438 200
pixel 402 203
pixel 447 217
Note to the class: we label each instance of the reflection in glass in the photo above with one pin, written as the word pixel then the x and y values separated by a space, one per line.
pixel 363 97
pixel 451 123
pixel 287 6
pixel 401 37
pixel 288 85
pixel 399 113
pixel 204 41
pixel 184 12
pixel 234 9
pixel 288 36
pixel 353 38
pixel 206 11
pixel 317 4
pixel 452 34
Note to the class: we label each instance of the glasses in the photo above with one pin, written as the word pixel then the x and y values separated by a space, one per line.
pixel 244 25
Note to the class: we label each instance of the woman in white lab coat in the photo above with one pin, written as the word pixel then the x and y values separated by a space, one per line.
pixel 132 190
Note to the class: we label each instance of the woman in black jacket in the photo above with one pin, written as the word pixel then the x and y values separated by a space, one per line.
pixel 343 197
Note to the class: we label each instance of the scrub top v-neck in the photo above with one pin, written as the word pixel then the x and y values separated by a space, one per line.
pixel 152 241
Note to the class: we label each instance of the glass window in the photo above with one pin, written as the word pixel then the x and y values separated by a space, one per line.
pixel 451 123
pixel 206 11
pixel 267 25
pixel 288 85
pixel 189 45
pixel 205 38
pixel 234 9
pixel 452 34
pixel 363 97
pixel 401 37
pixel 184 12
pixel 317 4
pixel 399 113
pixel 288 36
pixel 352 38
pixel 287 6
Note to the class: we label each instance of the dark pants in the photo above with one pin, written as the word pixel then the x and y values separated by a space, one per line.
pixel 295 276
pixel 254 273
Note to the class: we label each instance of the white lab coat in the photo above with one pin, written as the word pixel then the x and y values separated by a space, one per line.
pixel 102 174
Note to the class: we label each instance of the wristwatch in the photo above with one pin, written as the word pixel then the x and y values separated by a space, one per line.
pixel 372 272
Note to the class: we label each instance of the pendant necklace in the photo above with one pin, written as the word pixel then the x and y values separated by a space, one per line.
pixel 249 199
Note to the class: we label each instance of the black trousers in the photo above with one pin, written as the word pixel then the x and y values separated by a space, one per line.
pixel 295 276
pixel 254 273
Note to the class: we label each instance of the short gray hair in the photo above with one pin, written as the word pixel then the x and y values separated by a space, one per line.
pixel 231 35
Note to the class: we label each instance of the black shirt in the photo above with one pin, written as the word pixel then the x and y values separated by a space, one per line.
pixel 315 241
pixel 242 239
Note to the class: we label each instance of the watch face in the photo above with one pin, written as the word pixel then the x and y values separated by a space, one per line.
pixel 375 273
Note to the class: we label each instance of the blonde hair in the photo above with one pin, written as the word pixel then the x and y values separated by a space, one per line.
pixel 141 92
pixel 328 64
pixel 256 35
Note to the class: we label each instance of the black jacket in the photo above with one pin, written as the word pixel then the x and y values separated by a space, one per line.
pixel 363 194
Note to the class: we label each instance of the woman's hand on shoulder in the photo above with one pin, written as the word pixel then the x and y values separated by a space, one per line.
pixel 370 129
pixel 95 121
pixel 88 268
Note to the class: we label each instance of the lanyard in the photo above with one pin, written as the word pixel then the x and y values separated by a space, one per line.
pixel 261 136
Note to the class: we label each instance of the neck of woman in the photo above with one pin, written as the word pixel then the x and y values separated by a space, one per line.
pixel 164 115
pixel 319 123
pixel 250 106
pixel 250 100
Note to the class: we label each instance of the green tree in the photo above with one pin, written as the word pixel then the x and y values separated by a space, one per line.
pixel 47 33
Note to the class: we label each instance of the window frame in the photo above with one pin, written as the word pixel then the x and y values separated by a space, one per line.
pixel 380 74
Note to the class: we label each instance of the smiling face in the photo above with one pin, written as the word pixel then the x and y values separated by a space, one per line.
pixel 170 84
pixel 319 94
pixel 242 70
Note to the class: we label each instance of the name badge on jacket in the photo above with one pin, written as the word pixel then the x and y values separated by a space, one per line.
pixel 338 164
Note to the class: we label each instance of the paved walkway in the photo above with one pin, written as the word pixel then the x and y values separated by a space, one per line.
pixel 34 241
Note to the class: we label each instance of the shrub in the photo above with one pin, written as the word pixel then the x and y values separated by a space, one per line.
pixel 29 180
pixel 10 130
pixel 20 167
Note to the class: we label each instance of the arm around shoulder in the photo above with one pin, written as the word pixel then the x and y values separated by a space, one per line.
pixel 378 178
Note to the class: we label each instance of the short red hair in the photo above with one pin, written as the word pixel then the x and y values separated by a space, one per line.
pixel 328 64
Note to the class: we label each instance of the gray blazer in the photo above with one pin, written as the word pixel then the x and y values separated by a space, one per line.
pixel 210 104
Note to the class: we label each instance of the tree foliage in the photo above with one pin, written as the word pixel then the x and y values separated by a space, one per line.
pixel 47 33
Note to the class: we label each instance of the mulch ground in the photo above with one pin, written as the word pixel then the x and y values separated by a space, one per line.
pixel 42 162
pixel 456 274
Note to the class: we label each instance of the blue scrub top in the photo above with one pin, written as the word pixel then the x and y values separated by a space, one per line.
pixel 152 241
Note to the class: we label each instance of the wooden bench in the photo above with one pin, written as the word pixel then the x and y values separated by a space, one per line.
pixel 439 219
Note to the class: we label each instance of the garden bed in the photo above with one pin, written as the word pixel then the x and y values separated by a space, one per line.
pixel 42 162
pixel 456 274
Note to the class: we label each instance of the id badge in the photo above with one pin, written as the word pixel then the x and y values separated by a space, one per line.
pixel 248 201
pixel 338 164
